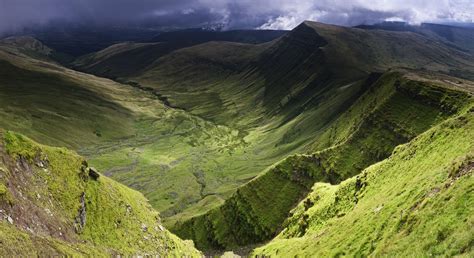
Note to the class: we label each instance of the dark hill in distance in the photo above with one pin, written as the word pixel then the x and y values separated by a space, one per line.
pixel 462 37
pixel 80 40
pixel 74 41
pixel 196 36
pixel 127 59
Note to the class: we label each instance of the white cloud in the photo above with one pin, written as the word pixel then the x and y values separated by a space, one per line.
pixel 355 12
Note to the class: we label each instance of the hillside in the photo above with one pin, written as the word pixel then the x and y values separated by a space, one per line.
pixel 129 59
pixel 55 105
pixel 199 36
pixel 53 204
pixel 415 203
pixel 30 44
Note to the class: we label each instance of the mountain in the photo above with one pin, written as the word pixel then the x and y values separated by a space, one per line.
pixel 301 90
pixel 458 36
pixel 292 63
pixel 233 142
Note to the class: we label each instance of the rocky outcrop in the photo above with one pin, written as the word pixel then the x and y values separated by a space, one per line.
pixel 80 221
pixel 94 173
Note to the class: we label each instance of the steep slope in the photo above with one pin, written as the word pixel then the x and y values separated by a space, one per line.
pixel 56 105
pixel 415 203
pixel 53 204
pixel 393 111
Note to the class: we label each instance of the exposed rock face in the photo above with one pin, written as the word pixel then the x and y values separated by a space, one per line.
pixel 94 173
pixel 80 222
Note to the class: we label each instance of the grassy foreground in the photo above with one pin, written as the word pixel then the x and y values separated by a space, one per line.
pixel 415 203
pixel 54 205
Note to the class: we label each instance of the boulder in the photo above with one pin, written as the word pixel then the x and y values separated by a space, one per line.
pixel 94 173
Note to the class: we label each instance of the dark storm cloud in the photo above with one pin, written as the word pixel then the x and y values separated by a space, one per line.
pixel 273 14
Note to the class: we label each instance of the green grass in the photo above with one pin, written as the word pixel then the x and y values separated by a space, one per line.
pixel 415 203
pixel 49 182
pixel 58 110
pixel 256 211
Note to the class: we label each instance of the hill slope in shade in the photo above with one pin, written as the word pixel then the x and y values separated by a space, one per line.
pixel 198 36
pixel 51 204
pixel 128 59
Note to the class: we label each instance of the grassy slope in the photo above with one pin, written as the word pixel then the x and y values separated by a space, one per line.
pixel 415 203
pixel 42 191
pixel 59 106
pixel 43 103
pixel 256 211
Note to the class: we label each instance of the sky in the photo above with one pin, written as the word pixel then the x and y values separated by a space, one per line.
pixel 228 14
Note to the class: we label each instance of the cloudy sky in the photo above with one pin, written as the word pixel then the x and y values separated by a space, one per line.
pixel 264 14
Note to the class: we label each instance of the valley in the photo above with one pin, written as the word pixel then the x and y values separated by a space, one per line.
pixel 276 140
